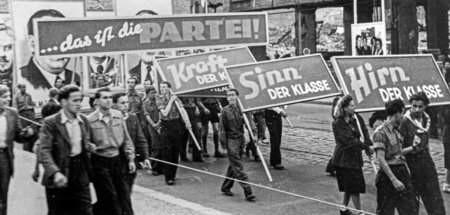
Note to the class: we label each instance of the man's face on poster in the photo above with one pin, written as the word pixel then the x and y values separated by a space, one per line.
pixel 6 50
pixel 147 56
pixel 54 65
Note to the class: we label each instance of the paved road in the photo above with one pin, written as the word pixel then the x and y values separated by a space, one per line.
pixel 306 150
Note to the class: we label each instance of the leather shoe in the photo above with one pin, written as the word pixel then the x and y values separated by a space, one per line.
pixel 205 154
pixel 227 192
pixel 257 159
pixel 250 197
pixel 278 167
pixel 170 182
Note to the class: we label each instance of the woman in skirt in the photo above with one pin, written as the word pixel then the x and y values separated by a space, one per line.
pixel 351 138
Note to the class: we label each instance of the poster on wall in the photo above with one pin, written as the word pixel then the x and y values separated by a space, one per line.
pixel 4 6
pixel 369 39
pixel 99 5
pixel 7 51
pixel 40 74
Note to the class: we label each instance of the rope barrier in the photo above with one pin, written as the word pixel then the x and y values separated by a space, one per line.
pixel 250 183
pixel 264 187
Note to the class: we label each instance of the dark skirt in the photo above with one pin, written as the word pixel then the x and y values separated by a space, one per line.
pixel 350 180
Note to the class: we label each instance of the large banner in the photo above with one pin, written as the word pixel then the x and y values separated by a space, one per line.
pixel 66 37
pixel 373 81
pixel 281 82
pixel 202 71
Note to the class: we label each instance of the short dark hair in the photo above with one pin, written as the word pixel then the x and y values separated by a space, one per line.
pixel 166 83
pixel 21 85
pixel 393 107
pixel 40 14
pixel 64 92
pixel 116 96
pixel 98 94
pixel 149 12
pixel 3 89
pixel 149 88
pixel 53 92
pixel 233 90
pixel 420 96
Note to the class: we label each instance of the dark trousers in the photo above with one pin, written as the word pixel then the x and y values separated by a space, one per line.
pixel 196 154
pixel 127 176
pixel 75 199
pixel 5 176
pixel 112 191
pixel 28 114
pixel 235 169
pixel 156 150
pixel 388 199
pixel 275 126
pixel 260 125
pixel 425 181
pixel 171 132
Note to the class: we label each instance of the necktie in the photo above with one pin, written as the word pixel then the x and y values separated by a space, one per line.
pixel 100 69
pixel 56 80
pixel 148 77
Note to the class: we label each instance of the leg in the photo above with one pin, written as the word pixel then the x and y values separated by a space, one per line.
pixel 205 137
pixel 356 200
pixel 123 189
pixel 185 136
pixel 386 195
pixel 107 199
pixel 430 192
pixel 228 183
pixel 156 150
pixel 78 195
pixel 5 176
pixel 56 201
pixel 234 146
pixel 346 199
pixel 217 152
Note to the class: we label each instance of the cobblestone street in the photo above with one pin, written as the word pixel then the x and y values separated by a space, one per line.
pixel 316 146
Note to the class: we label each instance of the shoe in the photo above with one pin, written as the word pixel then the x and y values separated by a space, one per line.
pixel 346 212
pixel 250 197
pixel 205 154
pixel 278 167
pixel 227 192
pixel 446 188
pixel 184 159
pixel 257 159
pixel 170 182
pixel 219 155
pixel 155 173
pixel 198 160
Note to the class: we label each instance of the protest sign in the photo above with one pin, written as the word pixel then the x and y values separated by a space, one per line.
pixel 373 81
pixel 216 92
pixel 202 71
pixel 281 82
pixel 87 36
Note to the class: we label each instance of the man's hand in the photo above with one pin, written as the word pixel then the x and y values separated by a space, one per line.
pixel 60 180
pixel 398 185
pixel 173 97
pixel 147 164
pixel 188 126
pixel 283 113
pixel 35 175
pixel 417 140
pixel 132 167
pixel 91 147
pixel 206 110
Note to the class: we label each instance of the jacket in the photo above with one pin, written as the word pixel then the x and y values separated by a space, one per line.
pixel 55 148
